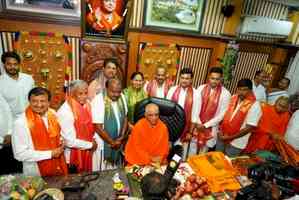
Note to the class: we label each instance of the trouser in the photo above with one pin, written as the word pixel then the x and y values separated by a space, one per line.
pixel 9 164
pixel 227 149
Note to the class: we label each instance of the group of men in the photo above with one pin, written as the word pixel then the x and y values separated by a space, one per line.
pixel 89 132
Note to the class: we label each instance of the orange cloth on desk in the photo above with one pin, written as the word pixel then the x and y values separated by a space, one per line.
pixel 44 139
pixel 216 169
pixel 270 122
pixel 146 142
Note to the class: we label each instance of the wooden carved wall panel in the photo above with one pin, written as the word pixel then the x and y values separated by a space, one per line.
pixel 153 55
pixel 93 55
pixel 45 57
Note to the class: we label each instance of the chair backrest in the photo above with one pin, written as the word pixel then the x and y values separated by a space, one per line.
pixel 171 113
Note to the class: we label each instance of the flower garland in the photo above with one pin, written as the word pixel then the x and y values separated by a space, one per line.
pixel 228 61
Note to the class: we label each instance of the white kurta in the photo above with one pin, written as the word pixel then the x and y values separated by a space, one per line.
pixel 15 92
pixel 6 120
pixel 214 122
pixel 98 117
pixel 252 118
pixel 160 90
pixel 259 92
pixel 292 134
pixel 23 149
pixel 66 121
pixel 273 96
pixel 182 95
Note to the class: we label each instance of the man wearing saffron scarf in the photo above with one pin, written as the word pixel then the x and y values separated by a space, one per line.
pixel 211 103
pixel 109 115
pixel 160 85
pixel 78 130
pixel 241 117
pixel 148 142
pixel 184 95
pixel 36 139
pixel 272 125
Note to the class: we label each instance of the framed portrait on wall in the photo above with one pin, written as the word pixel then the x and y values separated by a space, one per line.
pixel 171 15
pixel 105 19
pixel 55 11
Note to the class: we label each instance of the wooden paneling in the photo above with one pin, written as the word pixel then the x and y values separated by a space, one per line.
pixel 247 64
pixel 198 53
pixel 198 60
pixel 14 26
pixel 233 22
pixel 213 20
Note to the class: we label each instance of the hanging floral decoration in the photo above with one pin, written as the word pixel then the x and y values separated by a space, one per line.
pixel 228 61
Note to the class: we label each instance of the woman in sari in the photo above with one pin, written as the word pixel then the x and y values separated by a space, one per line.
pixel 134 94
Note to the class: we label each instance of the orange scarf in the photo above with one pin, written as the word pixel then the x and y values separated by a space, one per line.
pixel 46 140
pixel 82 159
pixel 270 122
pixel 208 111
pixel 231 126
pixel 153 85
pixel 187 107
pixel 140 148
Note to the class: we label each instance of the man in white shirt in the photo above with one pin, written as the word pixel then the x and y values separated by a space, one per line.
pixel 36 139
pixel 109 71
pixel 184 95
pixel 258 88
pixel 275 93
pixel 241 117
pixel 109 115
pixel 292 134
pixel 6 154
pixel 14 85
pixel 210 105
pixel 160 85
pixel 78 130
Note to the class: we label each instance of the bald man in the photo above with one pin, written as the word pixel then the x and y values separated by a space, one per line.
pixel 148 142
pixel 109 115
pixel 160 85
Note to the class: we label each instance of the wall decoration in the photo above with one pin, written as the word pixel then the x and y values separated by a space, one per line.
pixel 229 61
pixel 174 14
pixel 105 18
pixel 93 55
pixel 48 58
pixel 63 11
pixel 153 55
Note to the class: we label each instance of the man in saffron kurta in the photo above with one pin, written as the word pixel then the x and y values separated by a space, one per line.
pixel 78 130
pixel 148 142
pixel 36 139
pixel 272 125
pixel 240 119
pixel 160 85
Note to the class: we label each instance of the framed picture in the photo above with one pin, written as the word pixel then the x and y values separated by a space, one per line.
pixel 106 19
pixel 55 11
pixel 184 15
